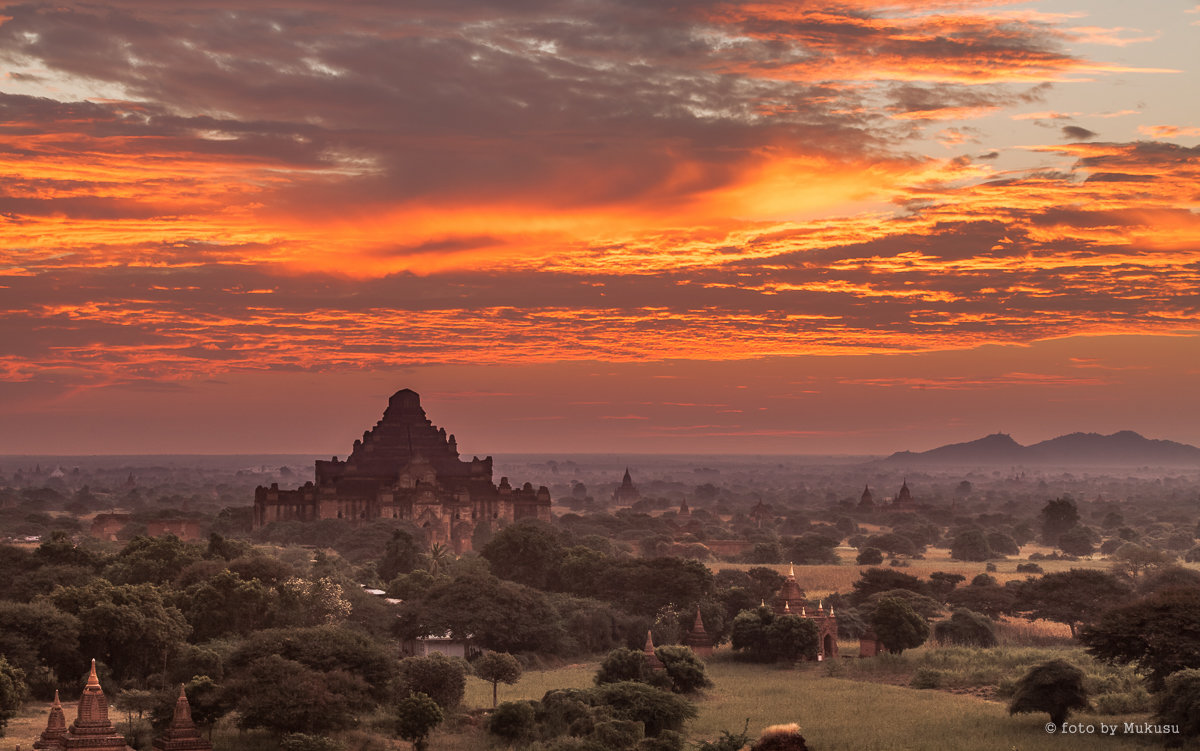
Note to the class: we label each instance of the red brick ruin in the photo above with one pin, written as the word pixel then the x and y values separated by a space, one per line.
pixel 93 731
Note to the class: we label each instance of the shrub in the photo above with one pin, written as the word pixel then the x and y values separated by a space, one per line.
pixel 869 557
pixel 306 742
pixel 441 678
pixel 1029 568
pixel 685 670
pixel 926 678
pixel 513 722
pixel 780 738
pixel 1179 703
pixel 1054 687
pixel 658 710
pixel 966 628
pixel 416 717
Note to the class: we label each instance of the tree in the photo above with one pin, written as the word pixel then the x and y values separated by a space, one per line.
pixel 989 599
pixel 496 668
pixel 1159 633
pixel 685 670
pixel 1132 559
pixel 12 691
pixel 898 626
pixel 1054 687
pixel 1076 541
pixel 869 557
pixel 400 556
pixel 636 702
pixel 129 626
pixel 441 678
pixel 34 634
pixel 875 580
pixel 151 560
pixel 812 548
pixel 285 696
pixel 227 604
pixel 1057 517
pixel 1179 703
pixel 967 628
pixel 623 665
pixel 941 584
pixel 764 637
pixel 1069 597
pixel 513 722
pixel 971 545
pixel 1002 544
pixel 528 552
pixel 416 717
pixel 501 615
pixel 321 648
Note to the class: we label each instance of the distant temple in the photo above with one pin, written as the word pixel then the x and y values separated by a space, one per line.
pixel 867 502
pixel 406 468
pixel 789 600
pixel 627 493
pixel 904 500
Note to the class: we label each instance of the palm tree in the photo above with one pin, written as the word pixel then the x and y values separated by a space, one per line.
pixel 436 557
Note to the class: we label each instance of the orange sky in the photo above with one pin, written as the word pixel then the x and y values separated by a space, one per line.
pixel 847 228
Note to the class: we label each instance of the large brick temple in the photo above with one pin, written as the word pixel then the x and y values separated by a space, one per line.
pixel 406 468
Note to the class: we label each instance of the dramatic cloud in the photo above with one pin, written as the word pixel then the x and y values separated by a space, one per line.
pixel 189 190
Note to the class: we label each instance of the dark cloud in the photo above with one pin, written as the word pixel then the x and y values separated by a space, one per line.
pixel 1076 133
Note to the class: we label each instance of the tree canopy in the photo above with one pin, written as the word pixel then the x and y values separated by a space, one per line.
pixel 1160 633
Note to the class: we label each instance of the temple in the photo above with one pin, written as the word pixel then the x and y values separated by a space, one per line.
pixel 626 493
pixel 789 600
pixel 181 734
pixel 903 500
pixel 91 730
pixel 406 468
pixel 698 639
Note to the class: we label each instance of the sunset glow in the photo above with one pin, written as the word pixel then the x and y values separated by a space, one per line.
pixel 346 199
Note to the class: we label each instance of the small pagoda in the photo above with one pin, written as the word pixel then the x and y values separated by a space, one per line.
pixel 54 737
pixel 648 653
pixel 181 734
pixel 698 639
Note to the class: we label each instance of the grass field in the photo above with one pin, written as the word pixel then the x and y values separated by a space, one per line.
pixel 857 710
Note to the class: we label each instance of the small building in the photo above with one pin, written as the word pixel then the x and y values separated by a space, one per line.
pixel 188 530
pixel 108 526
pixel 869 644
pixel 445 643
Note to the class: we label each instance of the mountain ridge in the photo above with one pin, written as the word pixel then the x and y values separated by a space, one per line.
pixel 1123 448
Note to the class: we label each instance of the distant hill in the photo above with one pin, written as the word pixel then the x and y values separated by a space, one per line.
pixel 1125 448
